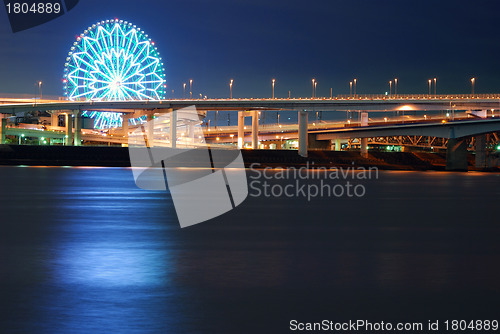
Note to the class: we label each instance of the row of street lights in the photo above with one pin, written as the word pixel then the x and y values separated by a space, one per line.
pixel 430 85
pixel 352 84
pixel 395 87
pixel 184 89
pixel 472 82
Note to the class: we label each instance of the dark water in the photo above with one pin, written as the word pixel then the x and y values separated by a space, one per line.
pixel 85 251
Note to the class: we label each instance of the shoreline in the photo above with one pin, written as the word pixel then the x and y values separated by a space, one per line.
pixel 102 156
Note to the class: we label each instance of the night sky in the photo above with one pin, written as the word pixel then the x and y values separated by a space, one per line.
pixel 252 41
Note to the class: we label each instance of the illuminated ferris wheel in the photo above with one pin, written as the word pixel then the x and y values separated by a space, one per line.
pixel 114 60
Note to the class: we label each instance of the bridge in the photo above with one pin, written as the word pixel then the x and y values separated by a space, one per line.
pixel 455 129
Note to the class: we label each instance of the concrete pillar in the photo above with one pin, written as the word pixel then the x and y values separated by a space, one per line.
pixel 480 148
pixel 338 145
pixel 456 155
pixel 54 119
pixel 78 128
pixel 364 147
pixel 303 133
pixel 125 124
pixel 255 129
pixel 150 129
pixel 241 129
pixel 364 119
pixel 3 128
pixel 68 117
pixel 191 130
pixel 173 128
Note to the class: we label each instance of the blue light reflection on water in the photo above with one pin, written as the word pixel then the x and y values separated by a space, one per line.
pixel 85 251
pixel 99 247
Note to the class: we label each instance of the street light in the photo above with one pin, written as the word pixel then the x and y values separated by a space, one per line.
pixel 40 88
pixel 315 91
pixel 355 80
pixel 184 90
pixel 191 88
pixel 350 88
pixel 435 86
pixel 396 86
pixel 231 89
pixel 313 80
pixel 473 81
pixel 390 88
pixel 274 80
pixel 430 86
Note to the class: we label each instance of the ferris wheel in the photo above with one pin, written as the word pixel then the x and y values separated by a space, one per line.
pixel 114 60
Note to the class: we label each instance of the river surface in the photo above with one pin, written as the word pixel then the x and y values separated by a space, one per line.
pixel 83 250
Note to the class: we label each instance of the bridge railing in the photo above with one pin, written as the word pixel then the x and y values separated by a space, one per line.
pixel 416 96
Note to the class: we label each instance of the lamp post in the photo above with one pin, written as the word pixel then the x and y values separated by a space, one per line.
pixel 435 86
pixel 355 81
pixel 396 86
pixel 231 89
pixel 315 91
pixel 190 88
pixel 313 81
pixel 40 89
pixel 350 88
pixel 274 80
pixel 472 82
pixel 390 88
pixel 430 86
pixel 184 90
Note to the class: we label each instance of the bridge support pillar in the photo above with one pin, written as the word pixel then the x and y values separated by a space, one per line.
pixel 456 155
pixel 364 147
pixel 241 129
pixel 54 119
pixel 364 119
pixel 191 131
pixel 338 145
pixel 303 133
pixel 68 117
pixel 125 124
pixel 173 128
pixel 480 148
pixel 3 128
pixel 78 128
pixel 255 129
pixel 150 129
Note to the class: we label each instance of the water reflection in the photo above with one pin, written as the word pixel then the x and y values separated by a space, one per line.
pixel 85 251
